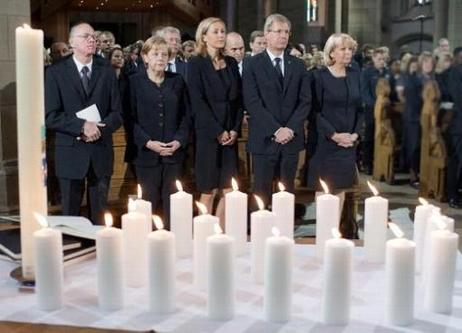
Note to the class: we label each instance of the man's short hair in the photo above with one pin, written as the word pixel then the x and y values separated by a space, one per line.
pixel 275 18
pixel 168 29
pixel 255 34
pixel 457 50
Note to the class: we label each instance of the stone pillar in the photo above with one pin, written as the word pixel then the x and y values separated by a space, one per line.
pixel 338 16
pixel 264 9
pixel 440 15
pixel 231 17
pixel 454 23
pixel 364 21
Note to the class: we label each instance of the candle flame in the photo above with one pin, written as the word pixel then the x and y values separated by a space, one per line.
pixel 234 184
pixel 131 205
pixel 217 229
pixel 41 220
pixel 396 230
pixel 260 203
pixel 423 201
pixel 281 187
pixel 275 231
pixel 202 208
pixel 179 186
pixel 324 186
pixel 108 219
pixel 336 233
pixel 158 222
pixel 140 192
pixel 373 188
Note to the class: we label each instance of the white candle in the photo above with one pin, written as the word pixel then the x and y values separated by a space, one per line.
pixel 277 299
pixel 261 223
pixel 135 229
pixel 203 228
pixel 422 213
pixel 432 224
pixel 220 276
pixel 181 215
pixel 399 272
pixel 143 207
pixel 48 255
pixel 236 218
pixel 161 261
pixel 338 268
pixel 30 107
pixel 283 205
pixel 375 227
pixel 441 270
pixel 327 218
pixel 109 262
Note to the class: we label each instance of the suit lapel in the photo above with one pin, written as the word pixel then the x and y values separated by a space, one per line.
pixel 270 70
pixel 95 75
pixel 287 71
pixel 75 77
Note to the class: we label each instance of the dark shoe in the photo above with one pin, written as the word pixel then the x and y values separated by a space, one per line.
pixel 454 203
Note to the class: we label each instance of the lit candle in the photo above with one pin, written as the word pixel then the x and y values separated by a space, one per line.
pixel 181 214
pixel 143 207
pixel 327 217
pixel 203 228
pixel 277 299
pixel 375 226
pixel 261 223
pixel 338 268
pixel 441 270
pixel 220 276
pixel 161 262
pixel 109 263
pixel 236 217
pixel 399 272
pixel 283 205
pixel 30 107
pixel 48 255
pixel 422 213
pixel 135 229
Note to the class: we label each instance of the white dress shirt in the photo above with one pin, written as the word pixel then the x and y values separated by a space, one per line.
pixel 272 57
pixel 80 66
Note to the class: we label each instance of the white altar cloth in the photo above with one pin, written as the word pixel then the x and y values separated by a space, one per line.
pixel 367 312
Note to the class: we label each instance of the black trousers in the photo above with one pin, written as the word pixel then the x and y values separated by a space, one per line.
pixel 368 141
pixel 97 192
pixel 454 149
pixel 158 182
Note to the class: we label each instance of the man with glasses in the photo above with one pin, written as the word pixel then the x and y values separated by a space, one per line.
pixel 173 38
pixel 277 97
pixel 83 148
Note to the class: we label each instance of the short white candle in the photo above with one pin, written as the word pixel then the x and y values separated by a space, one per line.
pixel 203 228
pixel 327 218
pixel 277 299
pixel 375 227
pixel 48 255
pixel 236 217
pixel 338 268
pixel 143 207
pixel 399 272
pixel 109 263
pixel 422 213
pixel 261 223
pixel 181 217
pixel 283 206
pixel 220 276
pixel 161 259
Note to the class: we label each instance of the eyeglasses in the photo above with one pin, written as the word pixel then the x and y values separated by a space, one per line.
pixel 281 32
pixel 86 36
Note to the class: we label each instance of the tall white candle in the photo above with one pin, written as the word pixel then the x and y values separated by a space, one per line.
pixel 135 229
pixel 236 217
pixel 109 262
pixel 143 207
pixel 399 272
pixel 48 255
pixel 432 224
pixel 31 138
pixel 422 213
pixel 277 299
pixel 161 258
pixel 375 226
pixel 327 218
pixel 441 270
pixel 203 228
pixel 220 276
pixel 338 268
pixel 181 217
pixel 283 206
pixel 261 223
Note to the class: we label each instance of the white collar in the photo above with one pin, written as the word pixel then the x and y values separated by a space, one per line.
pixel 272 56
pixel 80 65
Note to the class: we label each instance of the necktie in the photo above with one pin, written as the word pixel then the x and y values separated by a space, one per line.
pixel 169 67
pixel 278 68
pixel 85 79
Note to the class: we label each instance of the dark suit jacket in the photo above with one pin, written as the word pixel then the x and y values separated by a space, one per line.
pixel 455 91
pixel 181 68
pixel 214 109
pixel 64 96
pixel 272 106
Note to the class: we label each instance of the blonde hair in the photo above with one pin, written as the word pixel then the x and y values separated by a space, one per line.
pixel 202 28
pixel 333 42
pixel 154 42
pixel 275 18
pixel 426 56
pixel 442 57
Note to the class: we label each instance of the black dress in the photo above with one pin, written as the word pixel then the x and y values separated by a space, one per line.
pixel 337 102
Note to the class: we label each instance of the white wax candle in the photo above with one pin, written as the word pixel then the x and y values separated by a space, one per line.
pixel 277 299
pixel 283 206
pixel 48 261
pixel 336 293
pixel 181 214
pixel 422 213
pixel 143 207
pixel 220 276
pixel 109 261
pixel 236 218
pixel 30 112
pixel 432 224
pixel 327 217
pixel 441 271
pixel 399 271
pixel 375 227
pixel 161 261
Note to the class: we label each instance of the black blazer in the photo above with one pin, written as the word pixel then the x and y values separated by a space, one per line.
pixel 272 106
pixel 64 96
pixel 159 114
pixel 214 109
pixel 181 68
pixel 455 91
